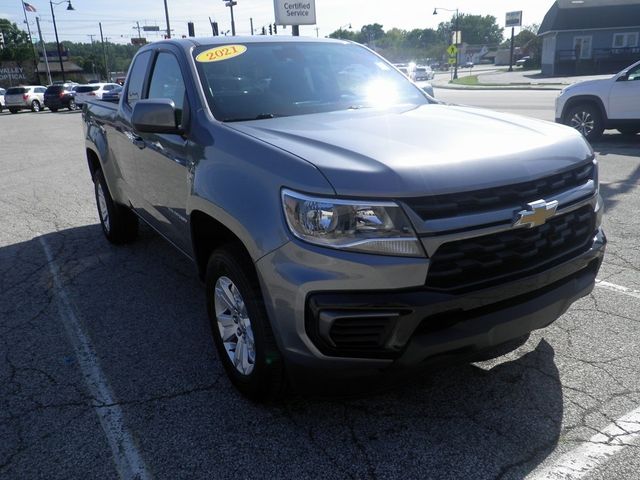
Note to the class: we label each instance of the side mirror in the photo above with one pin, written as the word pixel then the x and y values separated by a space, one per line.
pixel 155 116
pixel 623 78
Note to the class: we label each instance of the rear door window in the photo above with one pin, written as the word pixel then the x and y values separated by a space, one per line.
pixel 87 88
pixel 136 78
pixel 16 91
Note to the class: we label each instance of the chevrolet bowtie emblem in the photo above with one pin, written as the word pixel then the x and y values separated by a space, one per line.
pixel 536 214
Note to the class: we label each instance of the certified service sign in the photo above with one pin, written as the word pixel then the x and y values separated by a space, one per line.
pixel 295 12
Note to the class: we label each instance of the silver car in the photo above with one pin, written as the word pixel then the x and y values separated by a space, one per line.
pixel 25 97
pixel 2 92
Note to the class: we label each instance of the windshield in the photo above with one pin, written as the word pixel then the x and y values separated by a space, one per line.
pixel 265 80
pixel 87 88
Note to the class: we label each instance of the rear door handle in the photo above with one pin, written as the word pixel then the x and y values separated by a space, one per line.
pixel 139 142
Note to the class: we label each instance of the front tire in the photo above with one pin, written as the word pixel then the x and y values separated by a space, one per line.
pixel 240 326
pixel 119 223
pixel 35 106
pixel 13 110
pixel 72 105
pixel 587 119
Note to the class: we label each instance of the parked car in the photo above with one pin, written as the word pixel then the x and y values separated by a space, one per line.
pixel 468 65
pixel 343 228
pixel 112 95
pixel 60 96
pixel 93 91
pixel 25 97
pixel 594 105
pixel 2 92
pixel 522 61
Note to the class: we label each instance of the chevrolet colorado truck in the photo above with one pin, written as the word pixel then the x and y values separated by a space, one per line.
pixel 344 223
pixel 595 105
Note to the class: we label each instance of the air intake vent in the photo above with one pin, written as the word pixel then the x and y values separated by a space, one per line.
pixel 359 333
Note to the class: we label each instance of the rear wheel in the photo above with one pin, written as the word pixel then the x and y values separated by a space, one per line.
pixel 587 119
pixel 629 130
pixel 119 223
pixel 35 106
pixel 240 326
pixel 72 105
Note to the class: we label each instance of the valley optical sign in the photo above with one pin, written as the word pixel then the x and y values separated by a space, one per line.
pixel 295 12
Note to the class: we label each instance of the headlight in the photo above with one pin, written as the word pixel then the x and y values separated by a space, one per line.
pixel 372 227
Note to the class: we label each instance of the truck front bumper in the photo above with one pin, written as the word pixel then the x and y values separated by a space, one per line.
pixel 350 315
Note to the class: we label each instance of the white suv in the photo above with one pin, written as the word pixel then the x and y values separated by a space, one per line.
pixel 25 97
pixel 2 92
pixel 594 105
pixel 93 91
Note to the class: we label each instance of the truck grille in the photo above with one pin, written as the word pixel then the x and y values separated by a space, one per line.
pixel 455 204
pixel 511 254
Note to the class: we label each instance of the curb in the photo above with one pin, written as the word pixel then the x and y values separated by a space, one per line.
pixel 498 87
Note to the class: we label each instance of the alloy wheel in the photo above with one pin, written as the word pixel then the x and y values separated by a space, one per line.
pixel 234 326
pixel 583 122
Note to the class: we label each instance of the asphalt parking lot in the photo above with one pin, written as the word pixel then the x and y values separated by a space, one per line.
pixel 107 369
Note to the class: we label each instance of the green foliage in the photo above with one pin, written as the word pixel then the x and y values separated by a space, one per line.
pixel 423 44
pixel 476 29
pixel 16 42
pixel 89 56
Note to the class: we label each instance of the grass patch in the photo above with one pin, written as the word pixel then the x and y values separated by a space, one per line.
pixel 468 80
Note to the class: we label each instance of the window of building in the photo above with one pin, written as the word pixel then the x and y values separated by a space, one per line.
pixel 582 47
pixel 627 39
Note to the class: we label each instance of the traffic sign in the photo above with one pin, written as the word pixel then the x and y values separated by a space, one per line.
pixel 452 60
pixel 452 50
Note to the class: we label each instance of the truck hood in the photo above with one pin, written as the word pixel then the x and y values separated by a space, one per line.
pixel 426 150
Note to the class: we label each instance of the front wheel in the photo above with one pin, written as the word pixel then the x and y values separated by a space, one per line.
pixel 13 110
pixel 35 106
pixel 587 119
pixel 72 105
pixel 240 326
pixel 119 223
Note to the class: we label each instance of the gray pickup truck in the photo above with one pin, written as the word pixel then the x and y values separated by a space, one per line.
pixel 344 222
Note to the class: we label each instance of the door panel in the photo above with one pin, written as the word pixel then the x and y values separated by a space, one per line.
pixel 624 99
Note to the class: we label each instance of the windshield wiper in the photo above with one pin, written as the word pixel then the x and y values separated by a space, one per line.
pixel 262 116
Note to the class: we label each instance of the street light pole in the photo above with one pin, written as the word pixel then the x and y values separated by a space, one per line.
pixel 55 29
pixel 166 14
pixel 231 4
pixel 455 35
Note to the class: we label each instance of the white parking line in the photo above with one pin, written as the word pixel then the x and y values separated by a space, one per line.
pixel 595 452
pixel 618 288
pixel 128 460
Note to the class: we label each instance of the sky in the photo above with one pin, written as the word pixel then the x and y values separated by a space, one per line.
pixel 119 17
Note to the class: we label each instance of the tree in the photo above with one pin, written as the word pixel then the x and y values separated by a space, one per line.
pixel 16 42
pixel 371 33
pixel 476 29
pixel 344 34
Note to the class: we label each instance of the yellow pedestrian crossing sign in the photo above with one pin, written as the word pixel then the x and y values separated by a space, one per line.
pixel 452 60
pixel 452 50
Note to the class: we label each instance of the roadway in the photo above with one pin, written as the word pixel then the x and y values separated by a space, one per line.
pixel 107 368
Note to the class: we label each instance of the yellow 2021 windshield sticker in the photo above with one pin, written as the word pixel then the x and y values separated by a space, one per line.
pixel 221 53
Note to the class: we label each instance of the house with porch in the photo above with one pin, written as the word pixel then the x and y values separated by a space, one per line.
pixel 581 37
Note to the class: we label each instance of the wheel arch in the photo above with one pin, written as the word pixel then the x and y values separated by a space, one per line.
pixel 587 99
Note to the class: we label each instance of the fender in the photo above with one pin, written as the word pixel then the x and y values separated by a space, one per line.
pixel 594 99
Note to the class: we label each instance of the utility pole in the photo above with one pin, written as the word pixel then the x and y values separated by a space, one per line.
pixel 231 4
pixel 511 54
pixel 104 52
pixel 44 51
pixel 295 30
pixel 166 14
pixel 251 21
pixel 138 27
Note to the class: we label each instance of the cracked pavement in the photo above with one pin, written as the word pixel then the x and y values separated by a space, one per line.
pixel 143 309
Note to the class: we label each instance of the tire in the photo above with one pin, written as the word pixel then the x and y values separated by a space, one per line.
pixel 13 110
pixel 629 130
pixel 587 119
pixel 500 350
pixel 35 106
pixel 54 110
pixel 119 223
pixel 72 105
pixel 234 302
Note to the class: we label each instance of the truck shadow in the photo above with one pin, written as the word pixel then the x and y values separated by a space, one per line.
pixel 143 309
